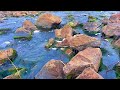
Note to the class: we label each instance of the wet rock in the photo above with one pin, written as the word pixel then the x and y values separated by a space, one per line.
pixel 50 43
pixel 89 57
pixel 73 24
pixel 106 21
pixel 79 42
pixel 91 26
pixel 117 43
pixel 19 13
pixel 13 76
pixel 89 73
pixel 51 70
pixel 22 33
pixel 115 18
pixel 48 21
pixel 65 32
pixel 112 29
pixel 7 54
pixel 29 25
pixel 68 51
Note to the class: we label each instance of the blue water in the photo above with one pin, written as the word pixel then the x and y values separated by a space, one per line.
pixel 32 54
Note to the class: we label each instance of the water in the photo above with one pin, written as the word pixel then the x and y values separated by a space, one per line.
pixel 32 55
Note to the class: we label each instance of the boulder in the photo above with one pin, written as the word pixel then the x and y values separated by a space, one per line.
pixel 89 73
pixel 51 70
pixel 89 57
pixel 48 21
pixel 65 32
pixel 28 25
pixel 22 33
pixel 19 13
pixel 115 18
pixel 79 42
pixel 7 54
pixel 49 43
pixel 91 26
pixel 111 29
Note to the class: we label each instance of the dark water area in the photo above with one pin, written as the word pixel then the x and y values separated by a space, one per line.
pixel 32 54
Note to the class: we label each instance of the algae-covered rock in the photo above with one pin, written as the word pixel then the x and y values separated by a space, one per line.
pixel 7 54
pixel 49 43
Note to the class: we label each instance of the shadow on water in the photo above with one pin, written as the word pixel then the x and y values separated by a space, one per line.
pixel 32 55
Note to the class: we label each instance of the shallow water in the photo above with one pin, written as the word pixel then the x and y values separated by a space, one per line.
pixel 32 55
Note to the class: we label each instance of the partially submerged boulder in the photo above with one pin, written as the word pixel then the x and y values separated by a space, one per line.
pixel 22 33
pixel 7 54
pixel 51 70
pixel 89 57
pixel 79 42
pixel 89 73
pixel 29 25
pixel 64 32
pixel 49 43
pixel 91 26
pixel 111 29
pixel 48 21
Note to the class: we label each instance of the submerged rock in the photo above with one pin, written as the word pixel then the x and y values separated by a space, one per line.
pixel 51 70
pixel 89 57
pixel 89 73
pixel 48 21
pixel 91 26
pixel 64 32
pixel 112 29
pixel 22 33
pixel 79 42
pixel 7 54
pixel 29 25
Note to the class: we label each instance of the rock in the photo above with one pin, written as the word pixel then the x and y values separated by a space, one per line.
pixel 92 19
pixel 68 52
pixel 22 33
pixel 48 21
pixel 29 25
pixel 115 18
pixel 73 24
pixel 7 54
pixel 106 21
pixel 65 32
pixel 112 29
pixel 79 42
pixel 89 73
pixel 19 13
pixel 13 76
pixel 51 70
pixel 89 57
pixel 91 26
pixel 117 43
pixel 50 43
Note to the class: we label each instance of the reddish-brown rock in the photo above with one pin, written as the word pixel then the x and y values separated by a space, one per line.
pixel 89 73
pixel 65 32
pixel 51 70
pixel 112 29
pixel 89 57
pixel 115 18
pixel 48 20
pixel 7 54
pixel 29 25
pixel 117 43
pixel 79 42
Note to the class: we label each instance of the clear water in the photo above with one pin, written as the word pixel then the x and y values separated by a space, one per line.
pixel 32 54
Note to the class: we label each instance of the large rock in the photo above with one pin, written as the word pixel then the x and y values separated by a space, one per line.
pixel 65 32
pixel 12 76
pixel 89 73
pixel 7 54
pixel 48 21
pixel 51 70
pixel 19 13
pixel 115 18
pixel 89 57
pixel 91 26
pixel 117 43
pixel 29 25
pixel 112 29
pixel 22 33
pixel 79 42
